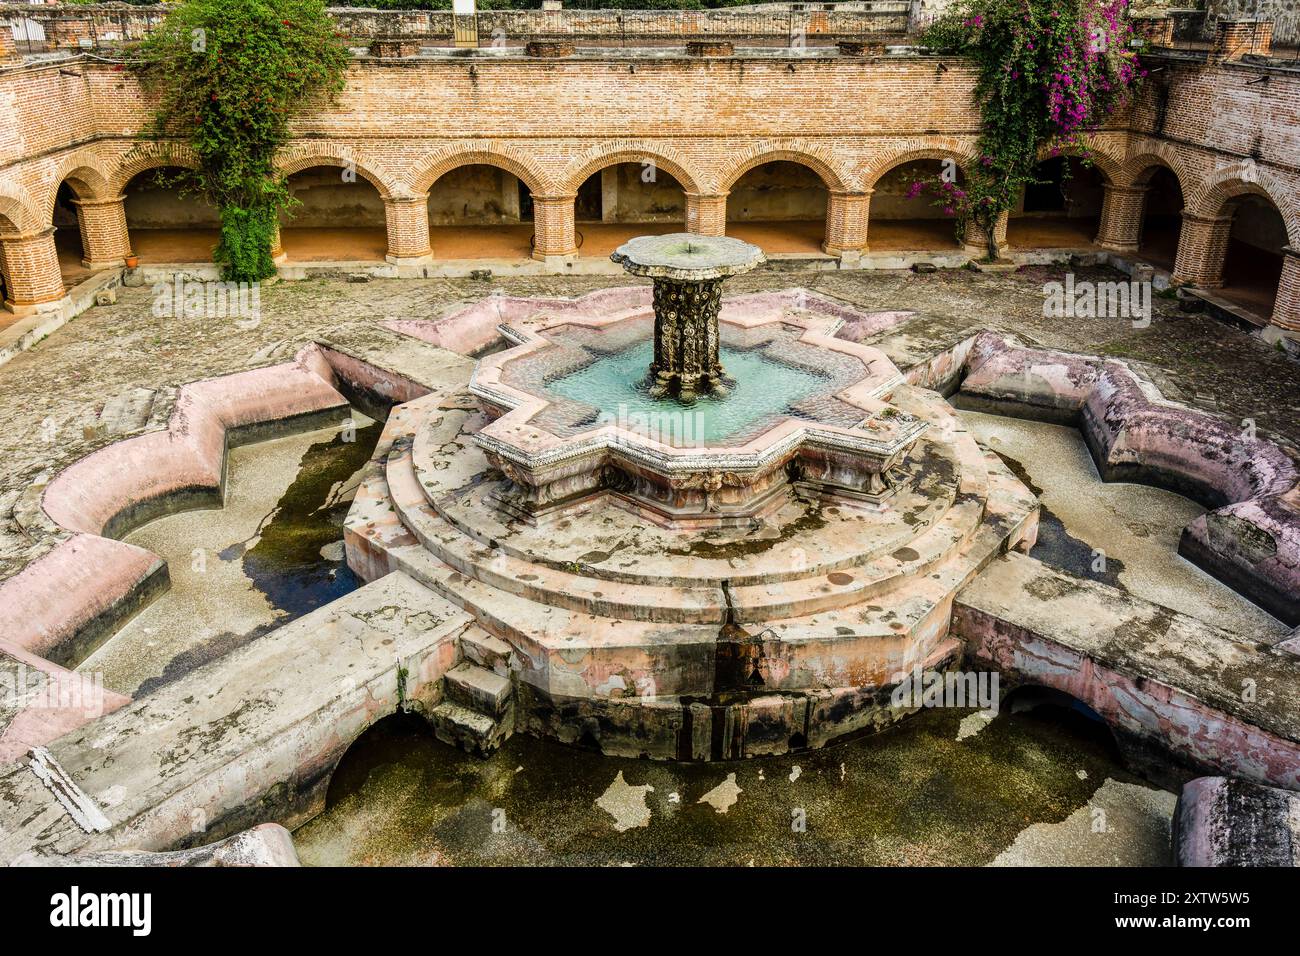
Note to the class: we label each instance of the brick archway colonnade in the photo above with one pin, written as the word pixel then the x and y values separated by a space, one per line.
pixel 58 170
pixel 31 269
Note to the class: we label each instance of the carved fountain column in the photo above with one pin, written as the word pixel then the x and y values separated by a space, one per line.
pixel 688 271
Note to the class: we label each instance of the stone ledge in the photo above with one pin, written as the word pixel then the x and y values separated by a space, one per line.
pixel 1163 681
pixel 1135 434
pixel 239 740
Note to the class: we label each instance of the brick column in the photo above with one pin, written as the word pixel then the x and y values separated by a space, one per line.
pixel 1121 218
pixel 104 238
pixel 706 214
pixel 8 47
pixel 1202 247
pixel 553 227
pixel 1286 310
pixel 31 271
pixel 974 243
pixel 407 218
pixel 846 223
pixel 278 255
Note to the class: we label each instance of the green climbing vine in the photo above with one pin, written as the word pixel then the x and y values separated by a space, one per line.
pixel 228 76
pixel 1047 71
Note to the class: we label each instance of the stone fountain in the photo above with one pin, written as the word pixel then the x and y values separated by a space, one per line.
pixel 687 271
pixel 736 553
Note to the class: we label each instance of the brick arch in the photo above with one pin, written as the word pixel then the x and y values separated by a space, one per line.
pixel 85 172
pixel 1240 179
pixel 624 151
pixel 1144 167
pixel 15 215
pixel 1139 167
pixel 820 160
pixel 1109 166
pixel 149 156
pixel 433 166
pixel 310 155
pixel 871 172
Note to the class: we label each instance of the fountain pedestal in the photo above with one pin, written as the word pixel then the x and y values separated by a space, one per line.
pixel 687 271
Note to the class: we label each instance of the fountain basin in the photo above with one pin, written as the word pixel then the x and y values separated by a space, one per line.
pixel 565 428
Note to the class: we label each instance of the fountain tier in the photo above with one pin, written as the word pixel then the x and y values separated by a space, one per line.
pixel 760 592
pixel 572 422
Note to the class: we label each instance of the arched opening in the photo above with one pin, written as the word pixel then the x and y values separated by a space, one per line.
pixel 479 211
pixel 904 216
pixel 7 227
pixel 780 207
pixel 1162 218
pixel 67 236
pixel 1054 707
pixel 166 221
pixel 1061 209
pixel 338 216
pixel 625 200
pixel 398 740
pixel 1253 263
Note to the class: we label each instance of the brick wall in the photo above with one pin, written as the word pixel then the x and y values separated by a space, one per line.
pixel 405 122
pixel 1285 15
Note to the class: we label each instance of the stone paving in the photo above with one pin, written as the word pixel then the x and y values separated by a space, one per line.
pixel 113 371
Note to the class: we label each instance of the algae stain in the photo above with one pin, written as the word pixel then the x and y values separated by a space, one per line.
pixel 288 563
pixel 811 520
pixel 911 795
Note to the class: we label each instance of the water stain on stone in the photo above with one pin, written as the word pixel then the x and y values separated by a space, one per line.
pixel 286 563
pixel 811 520
pixel 1057 548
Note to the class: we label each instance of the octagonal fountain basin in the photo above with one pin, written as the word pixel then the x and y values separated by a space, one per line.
pixel 742 575
pixel 599 376
pixel 576 409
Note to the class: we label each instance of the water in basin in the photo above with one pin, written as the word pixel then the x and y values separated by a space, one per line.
pixel 614 384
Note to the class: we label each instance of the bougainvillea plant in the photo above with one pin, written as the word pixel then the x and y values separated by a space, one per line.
pixel 1047 71
pixel 228 76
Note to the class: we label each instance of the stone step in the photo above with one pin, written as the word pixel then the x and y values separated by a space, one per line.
pixel 479 689
pixel 468 729
pixel 559 650
pixel 658 604
pixel 536 582
pixel 486 650
pixel 760 603
pixel 595 542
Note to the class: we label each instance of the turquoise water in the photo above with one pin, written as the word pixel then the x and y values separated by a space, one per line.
pixel 613 385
